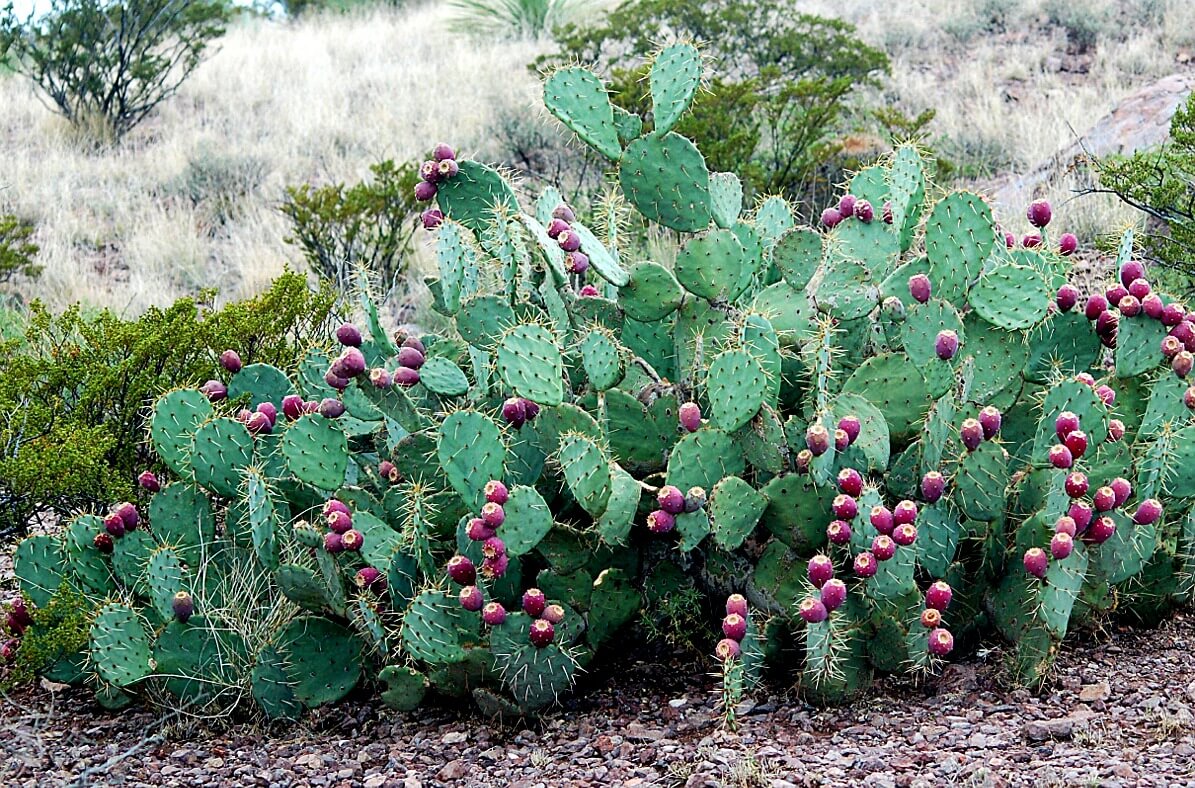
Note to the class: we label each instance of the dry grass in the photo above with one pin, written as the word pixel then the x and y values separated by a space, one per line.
pixel 190 200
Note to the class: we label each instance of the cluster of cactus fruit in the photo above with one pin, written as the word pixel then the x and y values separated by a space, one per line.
pixel 594 434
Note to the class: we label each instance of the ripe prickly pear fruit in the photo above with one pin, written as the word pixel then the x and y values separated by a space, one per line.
pixel 812 611
pixel 388 471
pixel 1081 512
pixel 1101 530
pixel 556 227
pixel 833 594
pixel 946 345
pixel 447 169
pixel 214 390
pixel 442 151
pixel 576 262
pixel 1061 545
pixel 1065 525
pixel 933 485
pixel 838 532
pixel 1066 423
pixel 846 205
pixel 259 423
pixel 1076 484
pixel 18 618
pixel 804 458
pixel 727 649
pixel 348 335
pixel 905 513
pixel 534 602
pixel 883 547
pixel 406 377
pixel 410 357
pixel 851 425
pixel 817 439
pixel 588 291
pixel 337 382
pixel 904 535
pixel 990 419
pixel 920 288
pixel 425 191
pixel 369 578
pixel 845 507
pixel 553 614
pixel 1182 363
pixel 820 569
pixel 1067 244
pixel 690 416
pixel 930 618
pixel 495 492
pixel 292 406
pixel 1132 269
pixel 941 642
pixel 842 441
pixel 1172 315
pixel 831 218
pixel 1106 394
pixel 380 378
pixel 850 481
pixel 114 525
pixel 513 412
pixel 471 598
pixel 971 433
pixel 1096 306
pixel 182 605
pixel 461 570
pixel 493 514
pixel 1104 499
pixel 1148 512
pixel 352 539
pixel 541 632
pixel 886 212
pixel 865 565
pixel 564 213
pixel 1189 398
pixel 1129 306
pixel 734 626
pixel 429 171
pixel 231 361
pixel 128 513
pixel 660 522
pixel 1067 298
pixel 351 362
pixel 1085 379
pixel 493 547
pixel 493 614
pixel 671 499
pixel 479 530
pixel 431 218
pixel 864 212
pixel 938 595
pixel 495 566
pixel 333 542
pixel 1171 347
pixel 1031 240
pixel 1036 562
pixel 569 241
pixel 1077 443
pixel 1114 294
pixel 149 481
pixel 737 604
pixel 1039 213
pixel 1010 240
pixel 339 522
pixel 882 519
pixel 103 542
pixel 335 505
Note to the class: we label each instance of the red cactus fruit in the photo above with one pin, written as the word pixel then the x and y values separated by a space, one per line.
pixel 1077 443
pixel 493 614
pixel 820 569
pixel 182 605
pixel 833 594
pixel 1060 456
pixel 1067 244
pixel 333 542
pixel 1036 562
pixel 851 425
pixel 737 604
pixel 938 595
pixel 690 416
pixel 541 632
pixel 905 513
pixel 904 535
pixel 149 481
pixel 812 611
pixel 883 547
pixel 817 439
pixel 534 602
pixel 1101 530
pixel 1096 306
pixel 493 514
pixel 1148 512
pixel 1104 499
pixel 734 626
pixel 352 539
pixel 930 618
pixel 1039 213
pixel 941 642
pixel 1076 484
pixel 471 598
pixel 660 522
pixel 850 481
pixel 920 288
pixel 990 419
pixel 479 530
pixel 865 565
pixel 231 361
pixel 845 507
pixel 1061 545
pixel 1081 512
pixel 838 532
pixel 882 519
pixel 933 485
pixel 946 344
pixel 971 433
pixel 671 499
pixel 1065 525
pixel 727 649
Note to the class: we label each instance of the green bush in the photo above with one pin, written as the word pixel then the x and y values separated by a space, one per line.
pixel 519 17
pixel 781 91
pixel 371 224
pixel 16 249
pixel 74 388
pixel 105 64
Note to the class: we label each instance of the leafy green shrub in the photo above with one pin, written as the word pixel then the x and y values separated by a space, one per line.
pixel 780 91
pixel 519 17
pixel 16 249
pixel 105 64
pixel 58 631
pixel 369 225
pixel 74 389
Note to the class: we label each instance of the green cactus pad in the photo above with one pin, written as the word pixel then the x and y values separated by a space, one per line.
pixel 130 557
pixel 322 659
pixel 176 416
pixel 431 629
pixel 1138 340
pixel 301 586
pixel 474 195
pixel 906 186
pixel 405 687
pixel 873 441
pixel 198 660
pixel 220 452
pixel 980 481
pixel 919 332
pixel 379 540
pixel 1011 297
pixel 699 329
pixel 1078 398
pixel 164 576
pixel 959 236
pixel 1180 476
pixel 692 528
pixel 797 511
pixel 630 125
pixel 39 567
pixel 639 437
pixel 578 100
pixel 534 676
pixel 773 218
pixel 938 532
pixel 1063 581
pixel 471 452
pixel 674 79
pixel 735 509
pixel 713 266
pixel 1165 409
pixel 587 471
pixel 530 363
pixel 846 289
pixel 703 458
pixel 83 560
pixel 873 244
pixel 181 517
pixel 602 359
pixel 263 520
pixel 797 254
pixel 1127 551
pixel 551 423
pixel 726 198
pixel 271 687
pixel 552 252
pixel 613 604
pixel 894 578
pixel 120 646
pixel 651 293
pixel 892 384
pixel 789 311
pixel 1064 342
pixel 262 382
pixel 736 387
pixel 482 320
pixel 316 451
pixel 528 520
pixel 603 263
pixel 616 522
pixel 999 358
pixel 666 179
pixel 458 265
pixel 777 583
pixel 441 376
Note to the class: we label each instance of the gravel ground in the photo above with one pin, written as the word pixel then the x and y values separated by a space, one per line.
pixel 1118 714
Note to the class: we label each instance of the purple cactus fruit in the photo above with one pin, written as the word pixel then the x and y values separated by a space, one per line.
pixel 990 419
pixel 842 441
pixel 336 381
pixel 541 632
pixel 736 603
pixel 564 213
pixel 904 535
pixel 493 614
pixel 941 642
pixel 429 171
pixel 734 626
pixel 588 291
pixel 182 605
pixel 380 378
pixel 946 345
pixel 1031 240
pixel 1171 347
pixel 1172 315
pixel 671 499
pixel 348 335
pixel 831 218
pixel 817 439
pixel 904 513
pixel 938 595
pixel 1039 213
pixel 1101 530
pixel 148 481
pixel 513 412
pixel 1182 363
pixel 1067 298
pixel 1106 394
pixel 1139 289
pixel 270 411
pixel 864 212
pixel 243 415
pixel 331 408
pixel 1060 456
pixel 1036 562
pixel 812 611
pixel 493 514
pixel 804 458
pixel 1116 430
pixel 851 425
pixel 103 542
pixel 1184 332
pixel 690 416
pixel 339 521
pixel 660 522
pixel 493 547
pixel 292 406
pixel 471 598
pixel 442 151
pixel 534 602
pixel 881 519
pixel 1131 270
pixel 576 262
pixel 569 241
pixel 1096 306
pixel 231 361
pixel 128 514
pixel 405 377
pixel 114 525
pixel 850 481
pixel 371 579
pixel 1076 442
pixel 553 614
pixel 410 357
pixel 333 542
pixel 351 362
pixel 933 485
pixel 886 212
pixel 1114 294
pixel 1076 484
pixel 1104 499
pixel 335 505
pixel 1129 306
pixel 214 390
pixel 479 530
pixel 431 218
pixel 1067 244
pixel 820 569
pixel 462 570
pixel 865 565
pixel 883 547
pixel 1065 525
pixel 1148 512
pixel 556 227
pixel 1010 240
pixel 1066 423
pixel 259 423
pixel 352 539
pixel 1081 512
pixel 495 492
pixel 971 433
pixel 1061 545
pixel 727 650
pixel 846 205
pixel 833 594
pixel 695 499
pixel 838 532
pixel 845 507
pixel 931 618
pixel 8 651
pixel 424 191
pixel 1085 379
pixel 447 169
pixel 1189 398
pixel 18 618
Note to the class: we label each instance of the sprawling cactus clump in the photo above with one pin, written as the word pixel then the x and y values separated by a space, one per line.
pixel 869 439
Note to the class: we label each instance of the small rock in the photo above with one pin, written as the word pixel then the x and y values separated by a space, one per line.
pixel 637 731
pixel 1060 728
pixel 454 737
pixel 453 770
pixel 676 703
pixel 1093 692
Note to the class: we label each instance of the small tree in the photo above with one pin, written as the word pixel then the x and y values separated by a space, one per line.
pixel 16 249
pixel 111 61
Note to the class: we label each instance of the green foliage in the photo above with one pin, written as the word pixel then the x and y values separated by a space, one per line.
pixel 17 251
pixel 59 631
pixel 518 17
pixel 370 224
pixel 106 64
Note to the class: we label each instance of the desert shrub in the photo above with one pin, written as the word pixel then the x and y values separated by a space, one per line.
pixel 369 225
pixel 1083 22
pixel 218 182
pixel 779 95
pixel 74 388
pixel 519 17
pixel 17 250
pixel 105 64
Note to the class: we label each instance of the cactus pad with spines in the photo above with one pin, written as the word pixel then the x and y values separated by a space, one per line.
pixel 120 646
pixel 578 100
pixel 666 179
pixel 176 416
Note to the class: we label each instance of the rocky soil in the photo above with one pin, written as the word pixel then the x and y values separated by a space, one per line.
pixel 1119 713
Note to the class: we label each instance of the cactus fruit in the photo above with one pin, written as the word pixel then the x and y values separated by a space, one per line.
pixel 103 542
pixel 690 416
pixel 333 542
pixel 1039 213
pixel 183 606
pixel 833 594
pixel 331 408
pixel 368 578
pixel 1031 240
pixel 1130 271
pixel 231 361
pixel 541 633
pixel 1036 562
pixel 1076 484
pixel 660 522
pixel 1182 363
pixel 831 218
pixel 380 378
pixel 479 530
pixel 461 570
pixel 990 419
pixel 734 626
pixel 864 212
pixel 933 485
pixel 588 291
pixel 1101 530
pixel 865 565
pixel 493 514
pixel 149 481
pixel 1067 244
pixel 431 218
pixel 1067 297
pixel 946 344
pixel 882 519
pixel 971 434
pixel 883 547
pixel 1148 512
pixel 850 482
pixel 845 507
pixel 695 500
pixel 1061 545
pixel 114 525
pixel 534 602
pixel 939 595
pixel 904 513
pixel 842 441
pixel 846 205
pixel 513 412
pixel 931 618
pixel 736 604
pixel 1104 499
pixel 904 535
pixel 920 288
pixel 493 614
pixel 838 532
pixel 817 440
pixel 1077 443
pixel 820 569
pixel 1081 513
pixel 671 499
pixel 128 513
pixel 388 471
pixel 812 611
pixel 493 547
pixel 471 598
pixel 214 390
pixel 352 540
pixel 727 650
pixel 339 522
pixel 495 566
pixel 941 642
pixel 851 425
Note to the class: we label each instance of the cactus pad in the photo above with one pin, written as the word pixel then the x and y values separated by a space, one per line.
pixel 578 100
pixel 714 266
pixel 666 179
pixel 316 451
pixel 176 416
pixel 120 646
pixel 322 659
pixel 530 363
